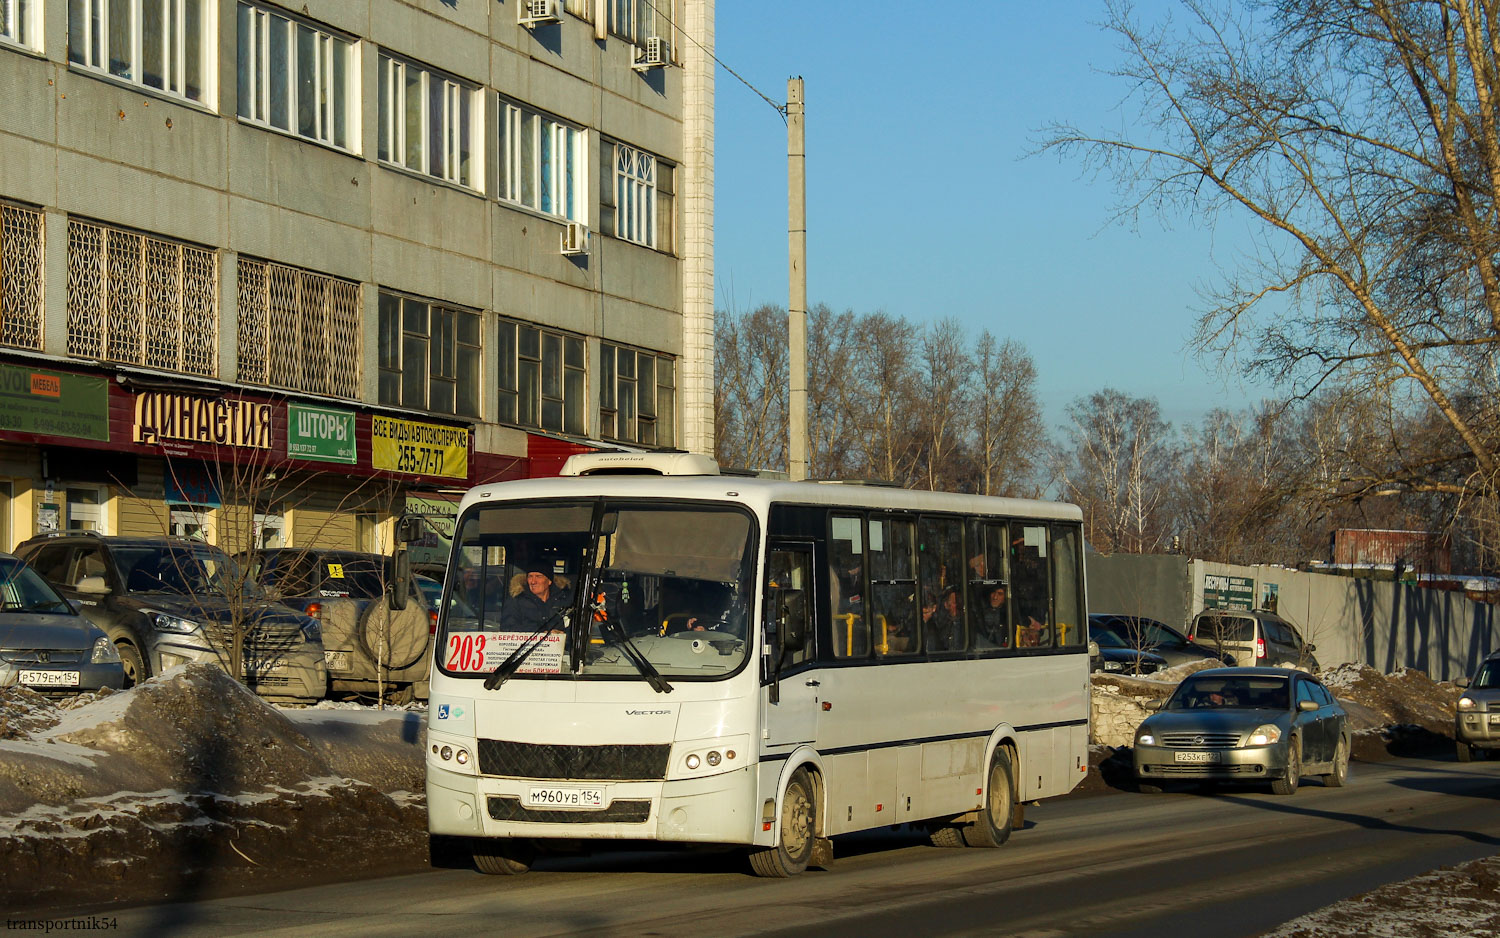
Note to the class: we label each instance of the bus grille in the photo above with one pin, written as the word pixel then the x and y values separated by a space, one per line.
pixel 618 812
pixel 536 760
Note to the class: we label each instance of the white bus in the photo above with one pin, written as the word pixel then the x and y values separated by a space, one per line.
pixel 644 649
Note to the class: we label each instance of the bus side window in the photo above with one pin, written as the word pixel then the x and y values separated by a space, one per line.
pixel 893 586
pixel 788 601
pixel 846 581
pixel 1066 580
pixel 1032 612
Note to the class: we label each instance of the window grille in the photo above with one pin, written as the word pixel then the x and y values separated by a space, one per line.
pixel 21 276
pixel 142 300
pixel 298 330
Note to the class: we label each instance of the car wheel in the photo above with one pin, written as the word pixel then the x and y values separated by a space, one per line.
pixel 131 661
pixel 503 857
pixel 799 831
pixel 992 827
pixel 1465 751
pixel 1340 773
pixel 1288 784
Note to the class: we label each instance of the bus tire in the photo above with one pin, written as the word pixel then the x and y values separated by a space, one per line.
pixel 991 826
pixel 503 856
pixel 799 831
pixel 945 835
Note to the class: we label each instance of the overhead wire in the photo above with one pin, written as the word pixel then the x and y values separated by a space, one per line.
pixel 780 108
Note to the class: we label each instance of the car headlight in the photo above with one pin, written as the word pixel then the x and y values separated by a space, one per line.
pixel 104 651
pixel 169 623
pixel 1264 735
pixel 312 631
pixel 1466 703
pixel 1145 739
pixel 1112 666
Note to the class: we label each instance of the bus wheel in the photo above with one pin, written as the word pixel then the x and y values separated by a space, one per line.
pixel 945 835
pixel 991 826
pixel 799 830
pixel 503 857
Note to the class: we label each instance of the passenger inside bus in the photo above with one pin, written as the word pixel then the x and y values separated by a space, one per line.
pixel 945 630
pixel 991 624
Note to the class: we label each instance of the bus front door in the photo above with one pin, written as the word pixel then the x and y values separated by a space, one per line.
pixel 791 698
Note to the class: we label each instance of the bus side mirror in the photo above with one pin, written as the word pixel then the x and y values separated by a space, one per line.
pixel 791 620
pixel 400 584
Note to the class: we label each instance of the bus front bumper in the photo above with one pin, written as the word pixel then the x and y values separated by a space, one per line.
pixel 710 809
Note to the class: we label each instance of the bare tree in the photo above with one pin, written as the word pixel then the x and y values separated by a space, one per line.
pixel 1010 438
pixel 1360 136
pixel 1118 467
pixel 944 391
pixel 750 388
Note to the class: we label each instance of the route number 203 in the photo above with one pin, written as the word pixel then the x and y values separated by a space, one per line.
pixel 465 652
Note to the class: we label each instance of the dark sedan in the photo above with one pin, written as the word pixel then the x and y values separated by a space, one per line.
pixel 44 643
pixel 1118 656
pixel 1272 725
pixel 1157 638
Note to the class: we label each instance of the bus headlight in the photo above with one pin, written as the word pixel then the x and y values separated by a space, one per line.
pixel 714 757
pixel 692 761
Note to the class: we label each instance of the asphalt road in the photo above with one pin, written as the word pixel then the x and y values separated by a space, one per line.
pixel 1235 863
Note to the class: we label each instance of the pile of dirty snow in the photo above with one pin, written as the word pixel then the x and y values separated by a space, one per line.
pixel 189 784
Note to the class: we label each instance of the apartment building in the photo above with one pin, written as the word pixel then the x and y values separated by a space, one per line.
pixel 277 275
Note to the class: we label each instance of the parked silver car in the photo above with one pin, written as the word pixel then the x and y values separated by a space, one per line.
pixel 44 643
pixel 1476 727
pixel 1272 725
pixel 1253 638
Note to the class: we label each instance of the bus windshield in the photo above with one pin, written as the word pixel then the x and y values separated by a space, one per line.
pixel 600 588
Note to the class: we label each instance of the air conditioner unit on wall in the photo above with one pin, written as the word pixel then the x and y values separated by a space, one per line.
pixel 575 238
pixel 536 12
pixel 656 53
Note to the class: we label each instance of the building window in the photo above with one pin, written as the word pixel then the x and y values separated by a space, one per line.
pixel 638 19
pixel 430 123
pixel 542 378
pixel 298 330
pixel 637 396
pixel 429 356
pixel 542 162
pixel 296 77
pixel 163 44
pixel 21 273
pixel 85 506
pixel 635 195
pixel 142 300
pixel 19 23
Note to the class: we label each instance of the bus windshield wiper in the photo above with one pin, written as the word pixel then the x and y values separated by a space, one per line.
pixel 507 668
pixel 653 676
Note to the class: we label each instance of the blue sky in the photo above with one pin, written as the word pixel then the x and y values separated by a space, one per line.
pixel 922 200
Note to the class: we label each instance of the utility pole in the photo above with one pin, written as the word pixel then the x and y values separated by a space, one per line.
pixel 796 185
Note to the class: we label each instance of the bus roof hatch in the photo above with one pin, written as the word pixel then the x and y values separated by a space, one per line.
pixel 650 464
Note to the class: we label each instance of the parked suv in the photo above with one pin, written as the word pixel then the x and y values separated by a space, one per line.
pixel 166 601
pixel 348 592
pixel 1476 727
pixel 1255 639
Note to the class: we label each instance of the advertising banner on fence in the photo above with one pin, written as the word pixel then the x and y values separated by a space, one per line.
pixel 419 448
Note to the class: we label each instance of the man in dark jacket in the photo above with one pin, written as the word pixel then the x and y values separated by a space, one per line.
pixel 540 605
